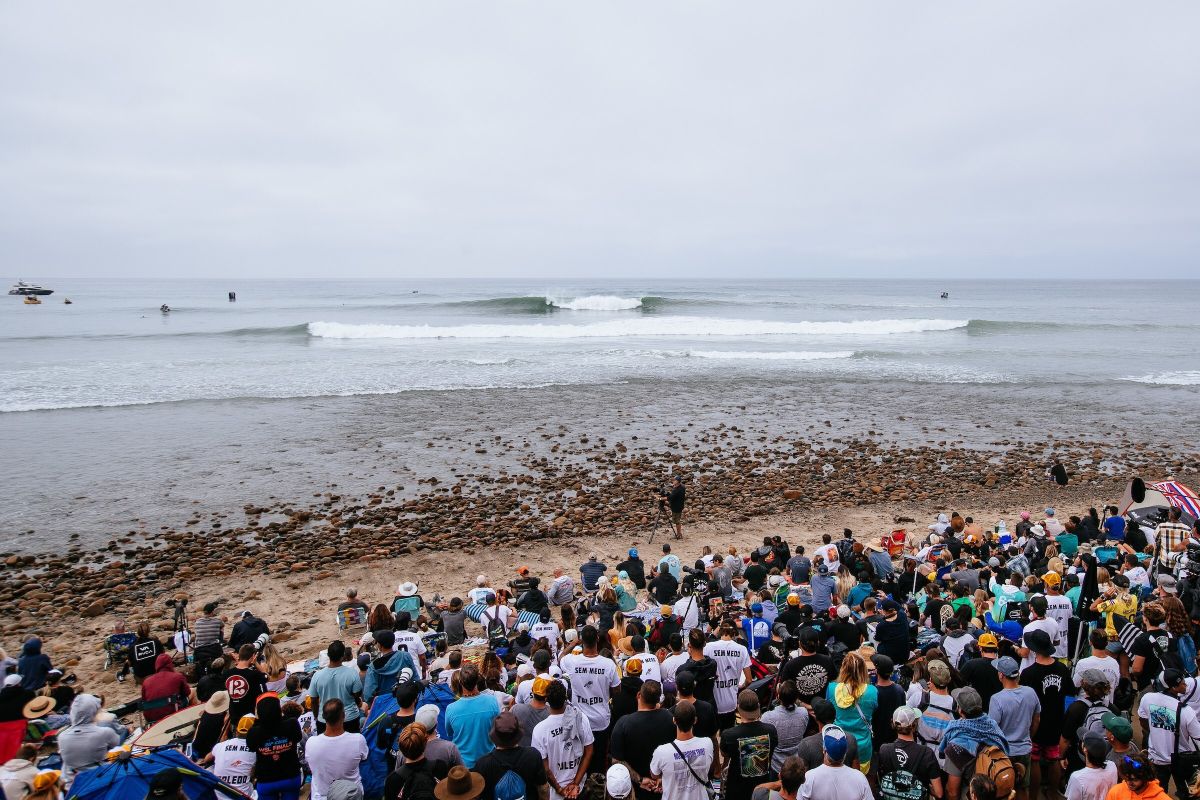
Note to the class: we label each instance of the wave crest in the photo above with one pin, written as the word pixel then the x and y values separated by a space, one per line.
pixel 649 327
pixel 1187 377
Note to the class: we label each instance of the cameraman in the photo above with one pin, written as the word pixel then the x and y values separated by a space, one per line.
pixel 675 499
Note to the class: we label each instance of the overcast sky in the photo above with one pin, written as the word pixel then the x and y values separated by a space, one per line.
pixel 560 139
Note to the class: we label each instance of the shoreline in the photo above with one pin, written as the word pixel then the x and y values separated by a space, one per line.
pixel 739 491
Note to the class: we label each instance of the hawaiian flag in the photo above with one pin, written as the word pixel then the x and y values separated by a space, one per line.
pixel 1179 496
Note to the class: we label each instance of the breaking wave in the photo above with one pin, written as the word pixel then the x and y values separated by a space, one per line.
pixel 1190 377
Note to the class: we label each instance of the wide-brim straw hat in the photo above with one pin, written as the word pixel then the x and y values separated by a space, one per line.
pixel 625 645
pixel 218 703
pixel 38 707
pixel 406 589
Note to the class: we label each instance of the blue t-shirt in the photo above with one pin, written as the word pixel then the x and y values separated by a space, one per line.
pixel 1114 528
pixel 340 682
pixel 468 723
pixel 1013 710
pixel 799 567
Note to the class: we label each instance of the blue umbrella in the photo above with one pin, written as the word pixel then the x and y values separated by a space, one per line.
pixel 128 776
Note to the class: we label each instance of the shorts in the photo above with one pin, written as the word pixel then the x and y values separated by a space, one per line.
pixel 1022 781
pixel 676 516
pixel 1042 752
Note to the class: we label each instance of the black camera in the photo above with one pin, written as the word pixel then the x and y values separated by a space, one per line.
pixel 173 602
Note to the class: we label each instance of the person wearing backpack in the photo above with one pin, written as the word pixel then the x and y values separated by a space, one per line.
pixel 1016 709
pixel 908 770
pixel 1084 718
pixel 1170 730
pixel 932 699
pixel 973 732
pixel 1051 681
pixel 511 771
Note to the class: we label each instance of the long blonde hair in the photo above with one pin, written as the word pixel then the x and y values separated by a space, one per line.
pixel 274 664
pixel 854 675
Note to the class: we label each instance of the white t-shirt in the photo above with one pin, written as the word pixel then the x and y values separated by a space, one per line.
pixel 678 783
pixel 731 659
pixel 834 783
pixel 1051 628
pixel 1091 783
pixel 333 758
pixel 671 664
pixel 1137 576
pixel 651 669
pixel 525 688
pixel 1108 665
pixel 232 763
pixel 479 594
pixel 1159 710
pixel 561 738
pixel 688 610
pixel 829 552
pixel 502 613
pixel 410 640
pixel 592 681
pixel 1059 609
pixel 548 631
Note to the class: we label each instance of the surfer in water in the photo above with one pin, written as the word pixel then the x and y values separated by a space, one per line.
pixel 164 308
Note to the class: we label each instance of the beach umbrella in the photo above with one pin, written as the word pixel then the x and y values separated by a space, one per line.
pixel 128 775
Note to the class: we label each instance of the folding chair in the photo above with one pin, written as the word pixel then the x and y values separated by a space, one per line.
pixel 353 617
pixel 894 542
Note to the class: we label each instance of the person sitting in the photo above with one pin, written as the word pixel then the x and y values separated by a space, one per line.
pixel 408 600
pixel 352 601
pixel 164 692
pixel 562 589
pixel 532 599
pixel 84 744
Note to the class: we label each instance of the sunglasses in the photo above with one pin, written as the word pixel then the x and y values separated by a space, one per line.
pixel 1133 762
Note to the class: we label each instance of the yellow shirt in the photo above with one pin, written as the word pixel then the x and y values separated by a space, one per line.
pixel 1125 605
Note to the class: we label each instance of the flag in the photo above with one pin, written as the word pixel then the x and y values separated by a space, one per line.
pixel 1179 496
pixel 1127 633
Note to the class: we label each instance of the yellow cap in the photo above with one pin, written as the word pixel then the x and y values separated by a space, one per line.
pixel 633 666
pixel 793 600
pixel 245 724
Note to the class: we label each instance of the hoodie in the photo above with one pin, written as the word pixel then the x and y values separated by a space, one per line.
pixel 385 672
pixel 33 665
pixel 16 778
pixel 84 744
pixel 163 684
pixel 954 644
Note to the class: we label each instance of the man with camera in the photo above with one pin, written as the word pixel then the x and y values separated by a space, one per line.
pixel 675 499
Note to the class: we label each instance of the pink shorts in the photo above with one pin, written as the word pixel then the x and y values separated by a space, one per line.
pixel 1043 752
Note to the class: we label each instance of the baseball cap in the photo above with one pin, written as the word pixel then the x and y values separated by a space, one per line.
pixel 666 610
pixel 843 611
pixel 793 599
pixel 1167 584
pixel 1172 677
pixel 1050 512
pixel 988 642
pixel 1039 642
pixel 12 680
pixel 245 724
pixel 756 608
pixel 1052 579
pixel 541 684
pixel 833 742
pixel 906 716
pixel 1118 726
pixel 525 670
pixel 823 570
pixel 427 715
pixel 883 664
pixel 617 781
pixel 969 701
pixel 1024 515
pixel 522 570
pixel 1093 677
pixel 633 666
pixel 993 562
pixel 939 674
pixel 1008 667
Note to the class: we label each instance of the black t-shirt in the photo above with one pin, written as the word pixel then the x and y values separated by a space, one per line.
pixel 981 673
pixel 756 576
pixel 906 770
pixel 244 685
pixel 277 751
pixel 525 761
pixel 891 697
pixel 418 778
pixel 208 733
pixel 636 568
pixel 664 588
pixel 624 700
pixel 812 675
pixel 791 618
pixel 706 719
pixel 748 748
pixel 1052 683
pixel 635 736
pixel 142 656
pixel 1144 646
pixel 209 685
pixel 676 498
pixel 845 632
pixel 772 652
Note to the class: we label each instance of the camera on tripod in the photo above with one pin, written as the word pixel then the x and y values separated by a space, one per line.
pixel 182 602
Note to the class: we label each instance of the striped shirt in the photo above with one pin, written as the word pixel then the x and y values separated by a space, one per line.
pixel 208 630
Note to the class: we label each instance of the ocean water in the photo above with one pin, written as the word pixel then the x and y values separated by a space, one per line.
pixel 116 415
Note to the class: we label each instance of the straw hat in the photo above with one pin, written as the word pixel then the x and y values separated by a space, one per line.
pixel 38 707
pixel 625 645
pixel 406 589
pixel 218 703
pixel 460 784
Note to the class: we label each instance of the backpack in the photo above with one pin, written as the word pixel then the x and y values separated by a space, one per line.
pixel 494 626
pixel 999 769
pixel 837 651
pixel 923 706
pixel 1093 722
pixel 511 786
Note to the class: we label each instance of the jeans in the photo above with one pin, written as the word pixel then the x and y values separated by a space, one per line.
pixel 288 789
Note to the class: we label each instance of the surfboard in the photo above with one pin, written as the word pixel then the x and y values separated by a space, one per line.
pixel 179 727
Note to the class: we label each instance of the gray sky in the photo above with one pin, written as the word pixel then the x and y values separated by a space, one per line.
pixel 784 139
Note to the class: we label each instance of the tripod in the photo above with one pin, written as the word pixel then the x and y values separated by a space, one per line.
pixel 180 625
pixel 658 519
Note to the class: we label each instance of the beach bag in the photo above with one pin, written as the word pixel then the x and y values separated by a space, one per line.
pixel 511 786
pixel 995 764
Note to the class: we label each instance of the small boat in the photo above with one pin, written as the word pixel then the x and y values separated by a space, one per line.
pixel 945 295
pixel 66 301
pixel 28 289
pixel 164 308
pixel 30 300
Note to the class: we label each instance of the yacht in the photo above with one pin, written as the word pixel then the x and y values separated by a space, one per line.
pixel 27 289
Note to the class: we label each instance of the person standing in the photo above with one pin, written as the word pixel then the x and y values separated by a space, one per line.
pixel 833 779
pixel 1100 659
pixel 905 765
pixel 790 721
pixel 469 718
pixel 733 667
pixel 275 742
pixel 511 756
pixel 593 678
pixel 336 754
pixel 1016 710
pixel 340 682
pixel 244 683
pixel 855 700
pixel 682 766
pixel 636 736
pixel 748 748
pixel 980 671
pixel 676 498
pixel 564 740
pixel 414 779
pixel 1051 681
pixel 1169 726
